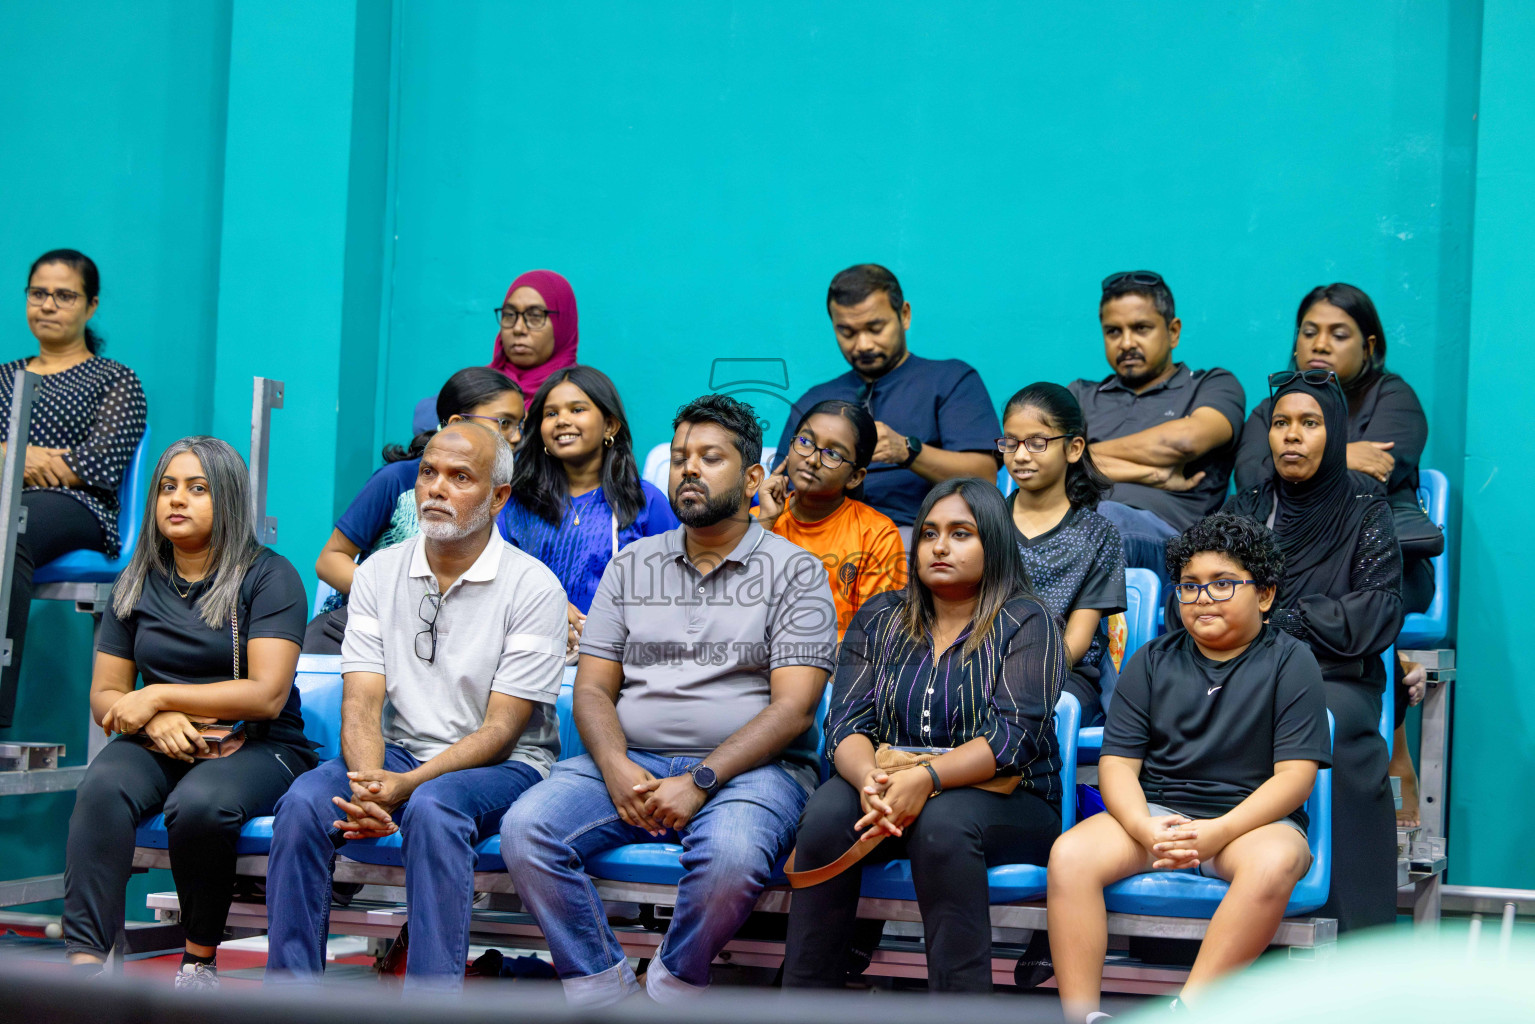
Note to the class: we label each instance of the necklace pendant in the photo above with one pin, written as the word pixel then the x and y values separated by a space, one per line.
pixel 578 517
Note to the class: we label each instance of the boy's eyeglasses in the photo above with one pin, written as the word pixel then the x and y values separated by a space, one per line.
pixel 1216 590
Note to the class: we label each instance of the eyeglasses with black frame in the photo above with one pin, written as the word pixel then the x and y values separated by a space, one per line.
pixel 1215 590
pixel 804 447
pixel 1034 443
pixel 1149 278
pixel 428 637
pixel 1318 378
pixel 535 317
pixel 62 297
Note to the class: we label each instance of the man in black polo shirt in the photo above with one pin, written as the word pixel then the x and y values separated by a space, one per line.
pixel 1166 435
pixel 935 418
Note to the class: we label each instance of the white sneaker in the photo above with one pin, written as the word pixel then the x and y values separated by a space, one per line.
pixel 197 978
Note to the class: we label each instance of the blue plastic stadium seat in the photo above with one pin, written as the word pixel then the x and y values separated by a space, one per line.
pixel 93 566
pixel 1143 599
pixel 1190 894
pixel 319 682
pixel 1005 482
pixel 1426 630
pixel 1006 883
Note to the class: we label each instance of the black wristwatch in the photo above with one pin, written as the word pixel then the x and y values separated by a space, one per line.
pixel 913 449
pixel 705 778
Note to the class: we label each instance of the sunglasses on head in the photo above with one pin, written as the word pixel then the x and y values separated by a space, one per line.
pixel 1149 278
pixel 1319 378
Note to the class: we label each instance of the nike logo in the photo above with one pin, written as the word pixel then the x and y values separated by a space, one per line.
pixel 1213 689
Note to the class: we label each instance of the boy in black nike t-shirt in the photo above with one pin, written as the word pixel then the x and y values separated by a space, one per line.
pixel 1213 741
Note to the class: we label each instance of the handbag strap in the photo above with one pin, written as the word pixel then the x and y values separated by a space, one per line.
pixel 234 634
pixel 815 876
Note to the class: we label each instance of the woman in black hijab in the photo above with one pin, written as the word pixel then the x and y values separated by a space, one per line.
pixel 1342 595
pixel 1337 328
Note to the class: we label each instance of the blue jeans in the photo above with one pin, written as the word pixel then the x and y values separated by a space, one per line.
pixel 439 827
pixel 1145 535
pixel 729 851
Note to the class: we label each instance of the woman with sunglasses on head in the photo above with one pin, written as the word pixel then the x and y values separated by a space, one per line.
pixel 87 420
pixel 1074 556
pixel 577 496
pixel 384 511
pixel 538 334
pixel 965 665
pixel 1337 328
pixel 1341 594
pixel 826 463
pixel 211 622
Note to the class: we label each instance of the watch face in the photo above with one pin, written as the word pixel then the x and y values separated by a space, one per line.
pixel 704 777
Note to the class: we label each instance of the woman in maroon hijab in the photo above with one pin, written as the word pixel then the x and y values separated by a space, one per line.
pixel 539 335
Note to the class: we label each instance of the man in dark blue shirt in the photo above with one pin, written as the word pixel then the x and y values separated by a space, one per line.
pixel 935 418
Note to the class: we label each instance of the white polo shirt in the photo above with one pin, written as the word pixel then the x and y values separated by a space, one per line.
pixel 501 627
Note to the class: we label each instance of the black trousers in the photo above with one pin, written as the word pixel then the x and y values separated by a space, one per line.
pixel 205 804
pixel 56 523
pixel 958 835
pixel 1363 890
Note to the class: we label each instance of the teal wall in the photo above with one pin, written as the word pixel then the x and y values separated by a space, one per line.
pixel 1494 756
pixel 337 194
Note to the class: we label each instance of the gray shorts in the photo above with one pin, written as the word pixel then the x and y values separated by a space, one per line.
pixel 1205 867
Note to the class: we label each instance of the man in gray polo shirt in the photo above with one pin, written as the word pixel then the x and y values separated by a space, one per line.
pixel 1165 434
pixel 703 659
pixel 453 657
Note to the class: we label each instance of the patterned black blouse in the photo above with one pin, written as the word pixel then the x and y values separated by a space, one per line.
pixel 97 411
pixel 889 688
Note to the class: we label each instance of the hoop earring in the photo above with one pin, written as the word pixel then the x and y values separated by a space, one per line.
pixel 548 452
pixel 607 442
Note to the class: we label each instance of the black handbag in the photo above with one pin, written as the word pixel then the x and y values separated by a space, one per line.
pixel 1416 534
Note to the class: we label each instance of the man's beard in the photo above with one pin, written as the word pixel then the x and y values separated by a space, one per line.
pixel 714 509
pixel 437 529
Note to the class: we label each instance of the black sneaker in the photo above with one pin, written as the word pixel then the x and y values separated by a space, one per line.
pixel 1034 968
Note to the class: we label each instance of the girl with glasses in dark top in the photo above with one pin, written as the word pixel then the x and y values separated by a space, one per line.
pixel 577 497
pixel 1337 328
pixel 210 621
pixel 1074 556
pixel 966 665
pixel 384 511
pixel 87 420
pixel 827 460
pixel 1341 594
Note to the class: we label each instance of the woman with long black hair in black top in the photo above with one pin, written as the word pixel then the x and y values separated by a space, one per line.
pixel 87 420
pixel 211 621
pixel 1342 595
pixel 967 665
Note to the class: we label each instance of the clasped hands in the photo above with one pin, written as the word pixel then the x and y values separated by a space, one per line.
pixel 376 794
pixel 653 804
pixel 891 801
pixel 1177 843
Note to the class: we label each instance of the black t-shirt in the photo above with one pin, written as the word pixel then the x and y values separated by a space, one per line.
pixel 1207 733
pixel 1078 563
pixel 168 641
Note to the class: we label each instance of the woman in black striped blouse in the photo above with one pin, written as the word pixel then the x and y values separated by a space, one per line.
pixel 964 663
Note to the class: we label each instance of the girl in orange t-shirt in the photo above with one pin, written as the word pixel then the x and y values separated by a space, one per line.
pixel 859 545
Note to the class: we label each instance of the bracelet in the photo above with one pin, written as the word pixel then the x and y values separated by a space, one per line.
pixel 937 785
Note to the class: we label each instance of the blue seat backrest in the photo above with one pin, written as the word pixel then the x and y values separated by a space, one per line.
pixel 1068 721
pixel 570 737
pixel 658 465
pixel 1143 597
pixel 1430 627
pixel 322 593
pixel 93 566
pixel 319 684
pixel 1005 482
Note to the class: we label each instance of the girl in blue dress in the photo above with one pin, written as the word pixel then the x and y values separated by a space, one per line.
pixel 577 497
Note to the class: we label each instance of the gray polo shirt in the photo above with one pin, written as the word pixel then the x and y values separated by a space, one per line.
pixel 501 628
pixel 697 649
pixel 1113 410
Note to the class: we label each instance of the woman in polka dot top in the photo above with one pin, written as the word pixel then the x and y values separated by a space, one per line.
pixel 87 420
